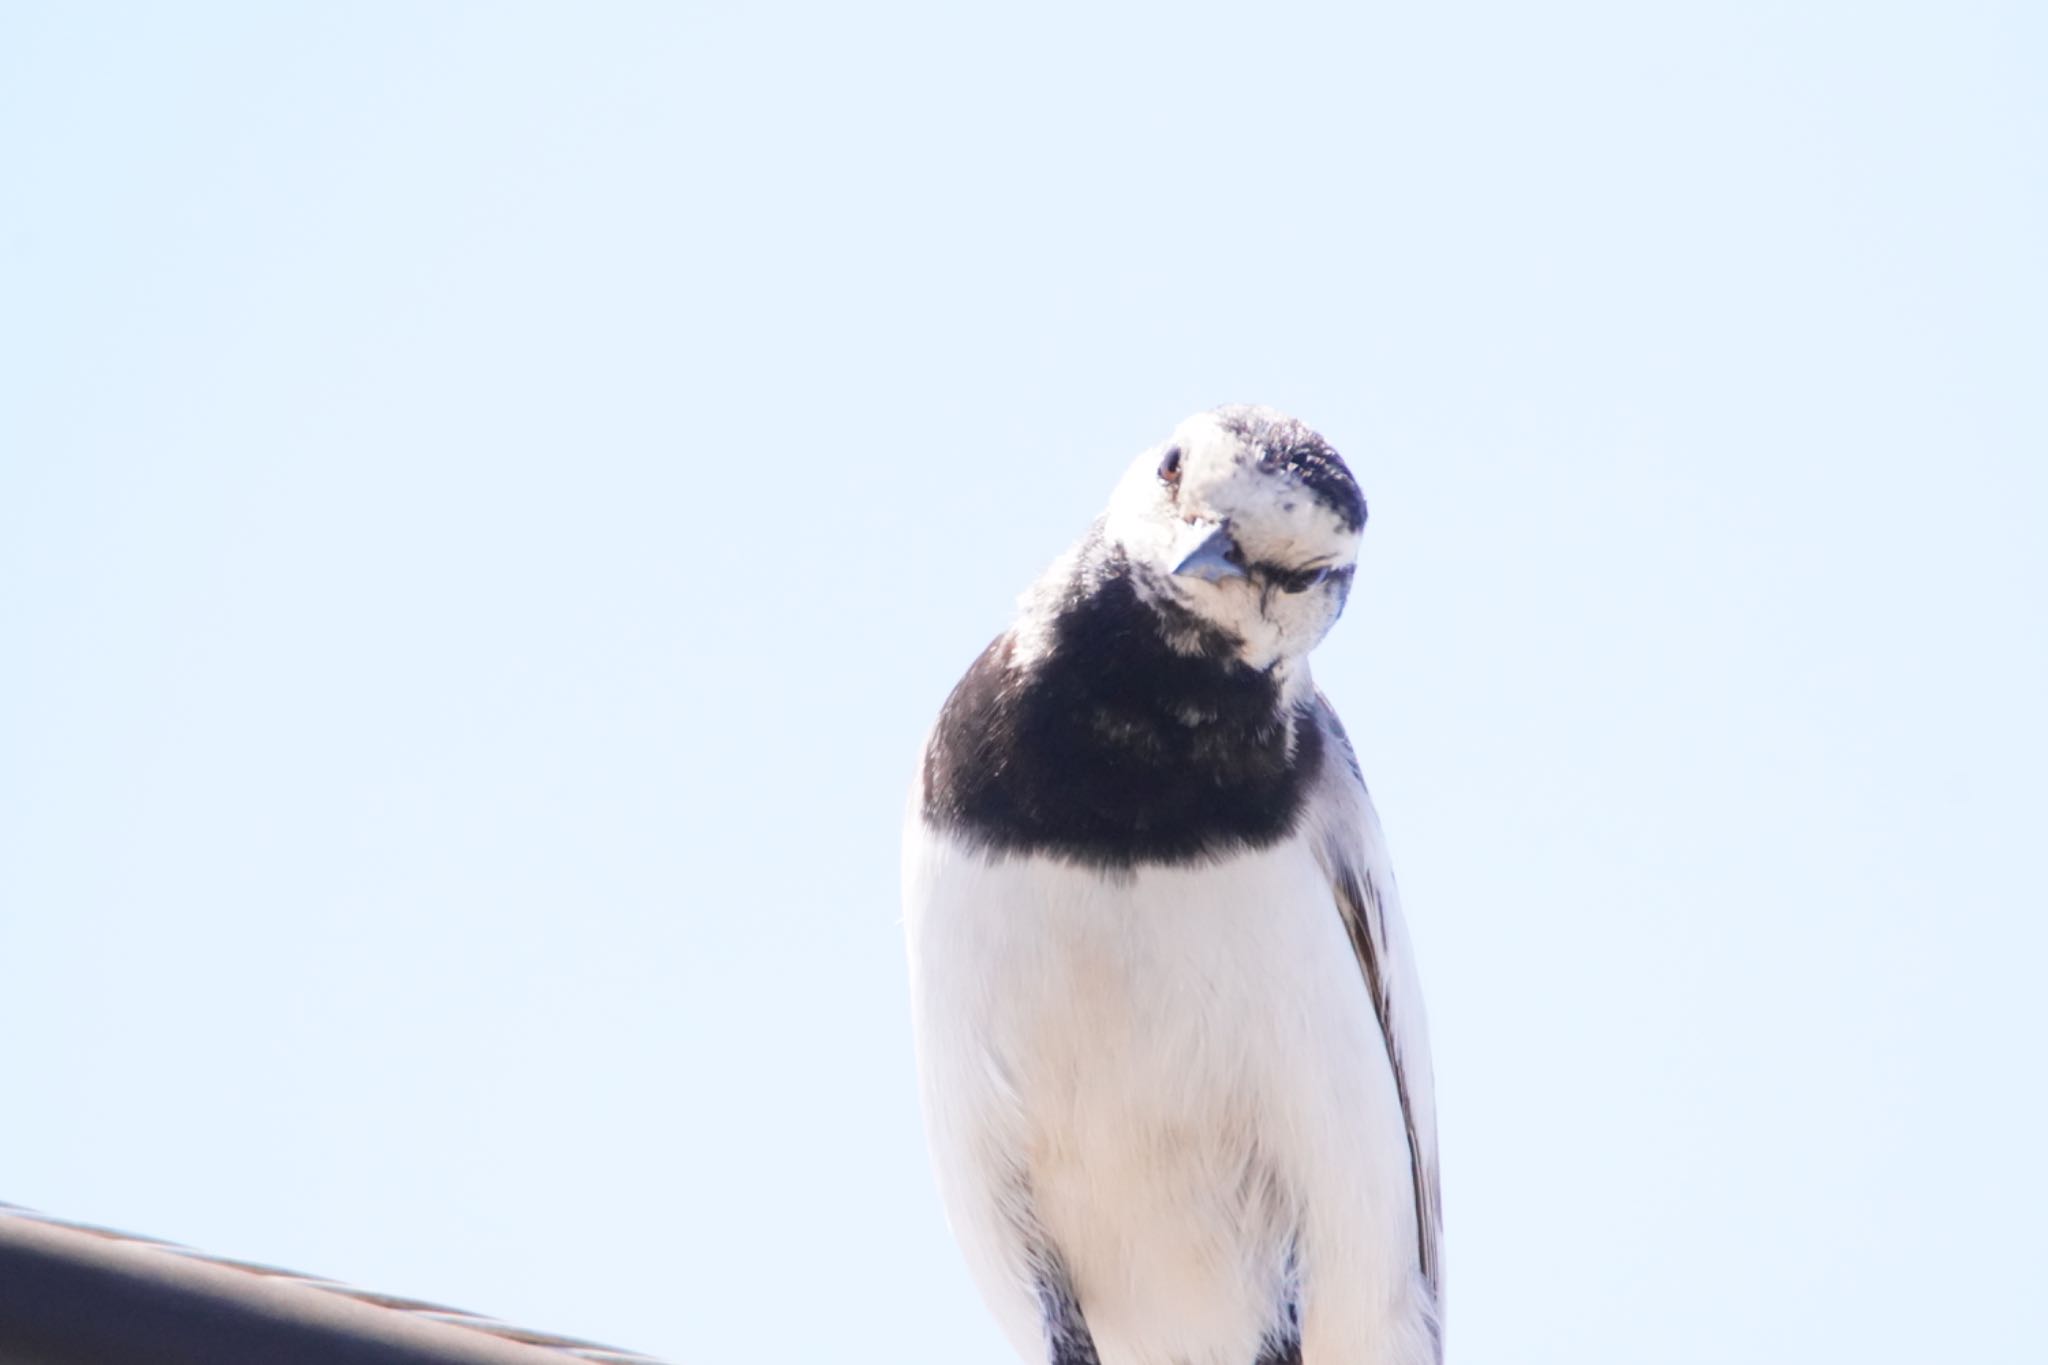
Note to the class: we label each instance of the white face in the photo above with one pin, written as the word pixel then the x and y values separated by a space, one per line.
pixel 1250 521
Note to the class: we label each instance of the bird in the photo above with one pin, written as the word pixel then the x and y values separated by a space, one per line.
pixel 1171 1048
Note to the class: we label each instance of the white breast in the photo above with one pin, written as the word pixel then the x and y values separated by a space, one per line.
pixel 1174 1080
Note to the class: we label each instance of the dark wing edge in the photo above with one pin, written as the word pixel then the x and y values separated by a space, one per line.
pixel 1359 898
pixel 1362 882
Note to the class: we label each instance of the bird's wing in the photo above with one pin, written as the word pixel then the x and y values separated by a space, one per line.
pixel 1362 878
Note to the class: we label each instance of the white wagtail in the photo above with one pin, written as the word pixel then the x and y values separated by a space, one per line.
pixel 1175 1069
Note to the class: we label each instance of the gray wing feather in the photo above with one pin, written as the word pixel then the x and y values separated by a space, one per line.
pixel 1362 880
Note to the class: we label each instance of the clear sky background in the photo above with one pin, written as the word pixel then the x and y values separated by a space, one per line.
pixel 491 496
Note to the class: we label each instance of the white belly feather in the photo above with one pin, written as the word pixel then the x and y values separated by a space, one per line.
pixel 1173 1079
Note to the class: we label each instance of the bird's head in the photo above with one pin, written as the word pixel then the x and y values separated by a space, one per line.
pixel 1249 522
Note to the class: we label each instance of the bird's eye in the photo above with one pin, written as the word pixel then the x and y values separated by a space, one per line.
pixel 1300 580
pixel 1169 468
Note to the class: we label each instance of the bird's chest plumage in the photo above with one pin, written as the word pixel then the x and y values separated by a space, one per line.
pixel 1140 998
pixel 1115 747
pixel 1162 1064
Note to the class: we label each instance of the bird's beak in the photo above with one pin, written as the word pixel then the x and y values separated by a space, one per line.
pixel 1208 553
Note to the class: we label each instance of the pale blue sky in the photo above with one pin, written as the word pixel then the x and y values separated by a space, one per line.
pixel 490 497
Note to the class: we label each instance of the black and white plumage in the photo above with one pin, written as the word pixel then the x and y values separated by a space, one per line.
pixel 1175 1068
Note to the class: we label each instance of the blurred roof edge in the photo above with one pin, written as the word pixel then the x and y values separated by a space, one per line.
pixel 73 1294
